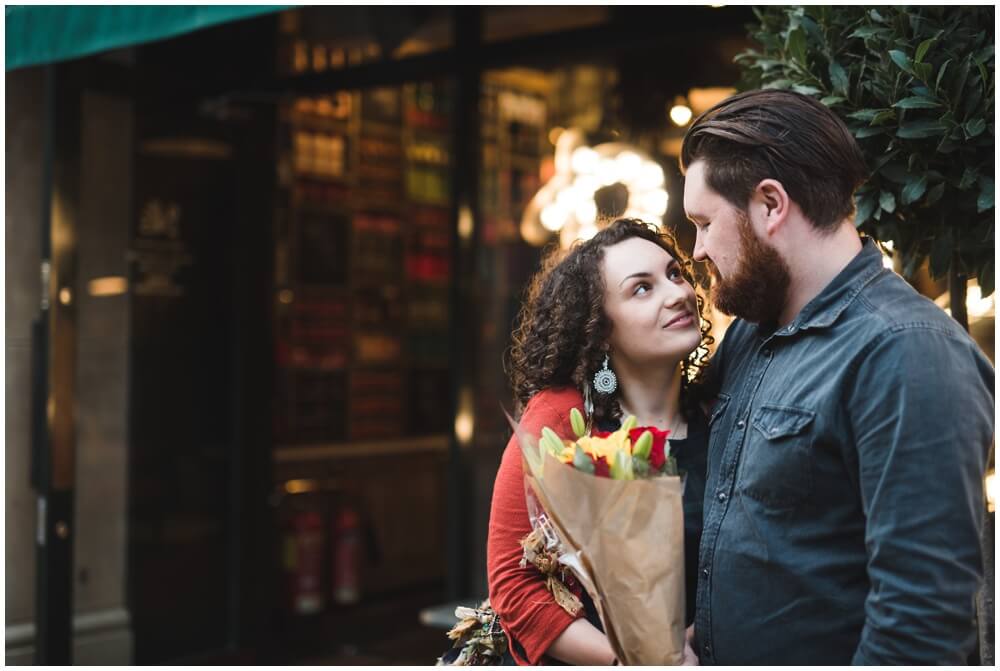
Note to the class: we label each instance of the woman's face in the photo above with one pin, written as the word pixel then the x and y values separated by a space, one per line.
pixel 652 308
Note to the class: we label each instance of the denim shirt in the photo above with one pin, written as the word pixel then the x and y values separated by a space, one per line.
pixel 844 498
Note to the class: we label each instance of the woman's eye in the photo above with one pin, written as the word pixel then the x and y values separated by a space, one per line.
pixel 675 274
pixel 640 289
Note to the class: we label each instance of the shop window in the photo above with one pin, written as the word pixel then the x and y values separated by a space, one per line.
pixel 510 22
pixel 318 39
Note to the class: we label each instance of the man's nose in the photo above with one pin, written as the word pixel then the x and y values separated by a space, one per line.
pixel 699 247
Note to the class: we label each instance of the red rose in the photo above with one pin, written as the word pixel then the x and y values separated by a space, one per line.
pixel 657 455
pixel 601 467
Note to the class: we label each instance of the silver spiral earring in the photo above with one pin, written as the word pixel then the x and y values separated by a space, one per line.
pixel 605 380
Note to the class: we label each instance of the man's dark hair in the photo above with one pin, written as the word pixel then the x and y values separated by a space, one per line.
pixel 780 135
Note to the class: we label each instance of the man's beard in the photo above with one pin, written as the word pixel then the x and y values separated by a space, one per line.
pixel 758 289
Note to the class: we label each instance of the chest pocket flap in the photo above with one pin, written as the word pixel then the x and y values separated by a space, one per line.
pixel 777 421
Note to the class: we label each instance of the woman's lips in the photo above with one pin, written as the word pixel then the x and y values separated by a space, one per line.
pixel 680 321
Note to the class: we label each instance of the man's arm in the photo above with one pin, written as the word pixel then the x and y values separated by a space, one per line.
pixel 921 411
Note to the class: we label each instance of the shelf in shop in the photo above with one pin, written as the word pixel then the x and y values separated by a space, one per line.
pixel 346 180
pixel 311 207
pixel 314 122
pixel 348 449
pixel 380 129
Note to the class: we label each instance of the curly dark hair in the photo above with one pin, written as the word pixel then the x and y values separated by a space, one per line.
pixel 562 329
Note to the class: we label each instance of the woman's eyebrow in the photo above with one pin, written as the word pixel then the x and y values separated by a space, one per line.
pixel 642 274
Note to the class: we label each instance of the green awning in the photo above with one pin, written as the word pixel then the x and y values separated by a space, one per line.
pixel 38 34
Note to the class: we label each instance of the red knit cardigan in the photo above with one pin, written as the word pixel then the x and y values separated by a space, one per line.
pixel 528 613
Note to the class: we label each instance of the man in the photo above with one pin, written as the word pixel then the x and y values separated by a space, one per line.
pixel 844 500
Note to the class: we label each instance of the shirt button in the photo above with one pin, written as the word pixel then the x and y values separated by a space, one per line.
pixel 741 424
pixel 722 497
pixel 704 572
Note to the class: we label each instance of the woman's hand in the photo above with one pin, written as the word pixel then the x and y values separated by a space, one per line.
pixel 690 659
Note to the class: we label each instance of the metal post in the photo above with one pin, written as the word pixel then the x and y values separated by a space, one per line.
pixel 464 318
pixel 54 373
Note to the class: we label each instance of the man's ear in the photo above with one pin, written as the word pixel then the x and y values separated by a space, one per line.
pixel 772 203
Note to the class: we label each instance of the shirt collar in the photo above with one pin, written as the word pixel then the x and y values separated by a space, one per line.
pixel 823 310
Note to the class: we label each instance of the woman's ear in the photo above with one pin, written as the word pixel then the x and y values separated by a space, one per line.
pixel 773 203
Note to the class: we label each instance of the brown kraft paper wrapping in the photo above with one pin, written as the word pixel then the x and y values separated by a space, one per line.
pixel 624 540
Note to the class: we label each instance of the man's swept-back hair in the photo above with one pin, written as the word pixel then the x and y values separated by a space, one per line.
pixel 780 135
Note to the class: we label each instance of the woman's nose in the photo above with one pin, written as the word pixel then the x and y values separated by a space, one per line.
pixel 676 296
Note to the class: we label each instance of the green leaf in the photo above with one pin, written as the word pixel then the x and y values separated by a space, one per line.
pixel 576 420
pixel 806 90
pixel 867 32
pixel 921 129
pixel 869 131
pixel 934 195
pixel 969 177
pixel 896 172
pixel 582 462
pixel 621 466
pixel 958 84
pixel 876 16
pixel 901 60
pixel 940 75
pixel 865 207
pixel 922 50
pixel 883 116
pixel 971 107
pixel 914 190
pixel 917 102
pixel 628 424
pixel 640 467
pixel 779 84
pixel 643 445
pixel 863 115
pixel 839 78
pixel 882 160
pixel 985 200
pixel 830 101
pixel 924 71
pixel 796 45
pixel 974 127
pixel 887 201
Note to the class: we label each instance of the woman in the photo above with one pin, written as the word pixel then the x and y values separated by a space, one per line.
pixel 621 304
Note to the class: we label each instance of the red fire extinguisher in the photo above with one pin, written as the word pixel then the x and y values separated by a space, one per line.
pixel 304 562
pixel 346 556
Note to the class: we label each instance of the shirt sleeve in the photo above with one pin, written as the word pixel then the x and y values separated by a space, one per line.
pixel 921 410
pixel 528 612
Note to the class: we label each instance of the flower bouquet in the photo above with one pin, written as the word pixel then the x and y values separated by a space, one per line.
pixel 609 506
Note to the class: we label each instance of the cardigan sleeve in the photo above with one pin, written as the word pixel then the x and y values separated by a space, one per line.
pixel 528 612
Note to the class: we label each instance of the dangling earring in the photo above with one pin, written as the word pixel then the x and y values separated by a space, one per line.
pixel 605 380
pixel 588 402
